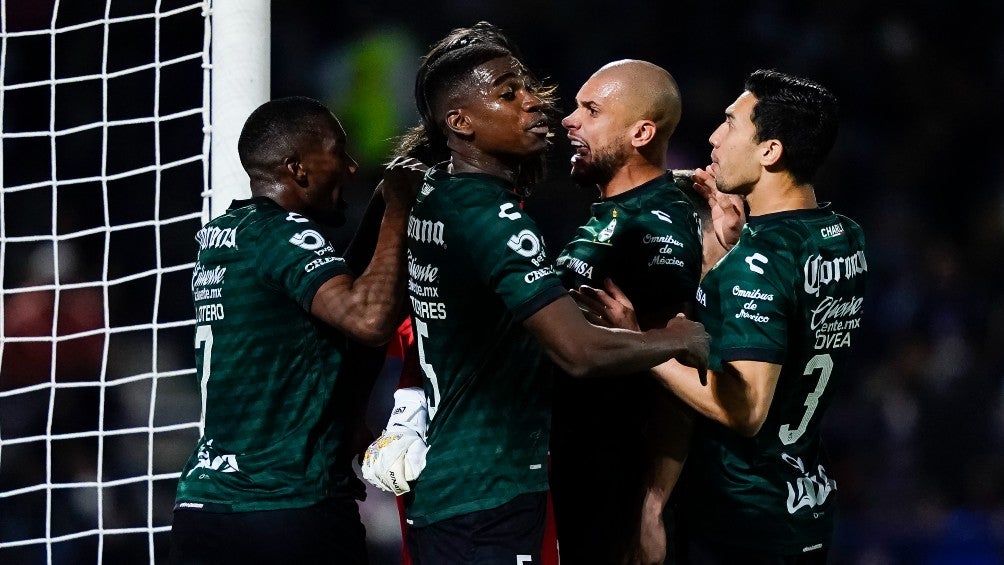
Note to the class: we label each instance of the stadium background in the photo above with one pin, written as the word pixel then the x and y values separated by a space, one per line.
pixel 917 434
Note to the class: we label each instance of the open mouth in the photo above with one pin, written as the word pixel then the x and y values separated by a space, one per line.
pixel 540 127
pixel 581 149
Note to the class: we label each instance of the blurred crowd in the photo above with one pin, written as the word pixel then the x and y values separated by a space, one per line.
pixel 917 436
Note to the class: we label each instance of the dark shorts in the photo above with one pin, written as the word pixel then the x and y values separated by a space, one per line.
pixel 695 551
pixel 327 532
pixel 508 535
pixel 598 468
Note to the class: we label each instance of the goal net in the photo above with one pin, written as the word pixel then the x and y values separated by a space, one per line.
pixel 107 126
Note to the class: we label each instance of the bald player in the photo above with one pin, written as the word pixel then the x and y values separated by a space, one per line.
pixel 618 445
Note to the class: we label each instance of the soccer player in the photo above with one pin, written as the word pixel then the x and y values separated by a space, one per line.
pixel 487 311
pixel 270 479
pixel 645 235
pixel 784 308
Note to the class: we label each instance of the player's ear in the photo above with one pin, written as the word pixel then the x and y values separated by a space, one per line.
pixel 294 167
pixel 642 133
pixel 770 152
pixel 459 122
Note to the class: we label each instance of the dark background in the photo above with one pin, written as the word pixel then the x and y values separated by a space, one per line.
pixel 916 433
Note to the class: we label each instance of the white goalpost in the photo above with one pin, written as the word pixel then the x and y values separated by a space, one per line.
pixel 118 129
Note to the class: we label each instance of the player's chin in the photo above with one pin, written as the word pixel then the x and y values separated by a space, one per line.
pixel 536 144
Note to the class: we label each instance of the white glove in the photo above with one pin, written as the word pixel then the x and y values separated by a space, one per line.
pixel 398 455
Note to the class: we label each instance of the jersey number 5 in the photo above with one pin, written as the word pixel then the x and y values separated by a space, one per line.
pixel 422 331
pixel 824 363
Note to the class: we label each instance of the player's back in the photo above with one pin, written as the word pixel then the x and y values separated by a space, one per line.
pixel 267 368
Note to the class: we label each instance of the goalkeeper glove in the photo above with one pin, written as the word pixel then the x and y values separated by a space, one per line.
pixel 398 455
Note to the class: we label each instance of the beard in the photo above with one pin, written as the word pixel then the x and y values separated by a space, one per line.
pixel 604 164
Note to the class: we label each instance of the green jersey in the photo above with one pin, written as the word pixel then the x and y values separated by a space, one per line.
pixel 789 293
pixel 476 270
pixel 269 371
pixel 648 240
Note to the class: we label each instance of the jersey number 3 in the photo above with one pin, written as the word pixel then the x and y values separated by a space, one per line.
pixel 824 363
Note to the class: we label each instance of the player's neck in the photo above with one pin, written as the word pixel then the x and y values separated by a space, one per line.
pixel 780 194
pixel 629 176
pixel 474 162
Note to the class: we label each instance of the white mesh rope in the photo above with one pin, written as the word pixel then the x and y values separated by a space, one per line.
pixel 98 403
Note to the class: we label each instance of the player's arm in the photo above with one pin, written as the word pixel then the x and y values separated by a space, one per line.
pixel 737 397
pixel 368 308
pixel 582 349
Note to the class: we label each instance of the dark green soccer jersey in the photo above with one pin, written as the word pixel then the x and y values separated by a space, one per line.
pixel 268 369
pixel 648 240
pixel 477 269
pixel 789 293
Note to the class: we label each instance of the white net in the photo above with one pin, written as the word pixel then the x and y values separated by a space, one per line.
pixel 104 144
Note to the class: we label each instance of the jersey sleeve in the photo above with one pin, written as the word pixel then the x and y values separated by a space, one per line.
pixel 294 257
pixel 756 300
pixel 508 253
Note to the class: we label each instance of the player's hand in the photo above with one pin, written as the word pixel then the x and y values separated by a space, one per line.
pixel 401 180
pixel 394 459
pixel 696 344
pixel 727 210
pixel 610 308
pixel 398 455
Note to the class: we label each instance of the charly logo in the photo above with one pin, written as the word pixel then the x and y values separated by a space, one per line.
pixel 505 213
pixel 525 243
pixel 832 231
pixel 756 258
pixel 662 216
pixel 309 240
pixel 820 272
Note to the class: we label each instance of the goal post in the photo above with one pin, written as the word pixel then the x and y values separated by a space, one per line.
pixel 118 130
pixel 240 83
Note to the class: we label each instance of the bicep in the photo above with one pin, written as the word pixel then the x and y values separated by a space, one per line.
pixel 337 304
pixel 759 381
pixel 561 329
pixel 331 300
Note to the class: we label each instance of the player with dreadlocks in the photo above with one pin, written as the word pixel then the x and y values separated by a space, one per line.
pixel 487 311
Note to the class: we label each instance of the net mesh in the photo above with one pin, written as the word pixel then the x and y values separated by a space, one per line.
pixel 104 144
